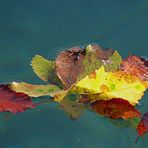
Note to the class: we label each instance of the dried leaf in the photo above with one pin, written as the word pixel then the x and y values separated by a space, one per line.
pixel 74 64
pixel 35 90
pixel 69 65
pixel 14 102
pixel 115 108
pixel 136 66
pixel 102 54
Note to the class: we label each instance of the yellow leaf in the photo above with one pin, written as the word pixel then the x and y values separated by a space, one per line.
pixel 35 90
pixel 108 85
pixel 93 85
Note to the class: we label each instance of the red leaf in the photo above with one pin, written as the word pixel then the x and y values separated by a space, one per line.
pixel 115 108
pixel 142 127
pixel 136 66
pixel 12 101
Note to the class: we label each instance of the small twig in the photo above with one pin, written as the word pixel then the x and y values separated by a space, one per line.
pixel 136 139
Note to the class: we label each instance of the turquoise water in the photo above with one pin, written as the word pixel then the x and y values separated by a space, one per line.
pixel 46 27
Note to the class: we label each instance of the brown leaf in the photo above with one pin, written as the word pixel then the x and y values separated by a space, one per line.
pixel 115 108
pixel 136 66
pixel 102 54
pixel 13 102
pixel 69 65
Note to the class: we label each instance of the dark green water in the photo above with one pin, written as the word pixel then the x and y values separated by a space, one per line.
pixel 47 26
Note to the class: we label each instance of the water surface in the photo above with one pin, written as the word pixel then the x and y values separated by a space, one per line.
pixel 45 27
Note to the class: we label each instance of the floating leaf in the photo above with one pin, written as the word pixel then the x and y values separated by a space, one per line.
pixel 69 65
pixel 136 66
pixel 142 127
pixel 102 54
pixel 45 70
pixel 113 62
pixel 74 64
pixel 108 85
pixel 109 58
pixel 72 107
pixel 35 90
pixel 115 108
pixel 89 63
pixel 12 101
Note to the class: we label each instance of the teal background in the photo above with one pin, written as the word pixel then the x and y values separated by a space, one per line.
pixel 46 27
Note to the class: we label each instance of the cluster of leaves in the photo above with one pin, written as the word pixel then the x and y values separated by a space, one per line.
pixel 79 79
